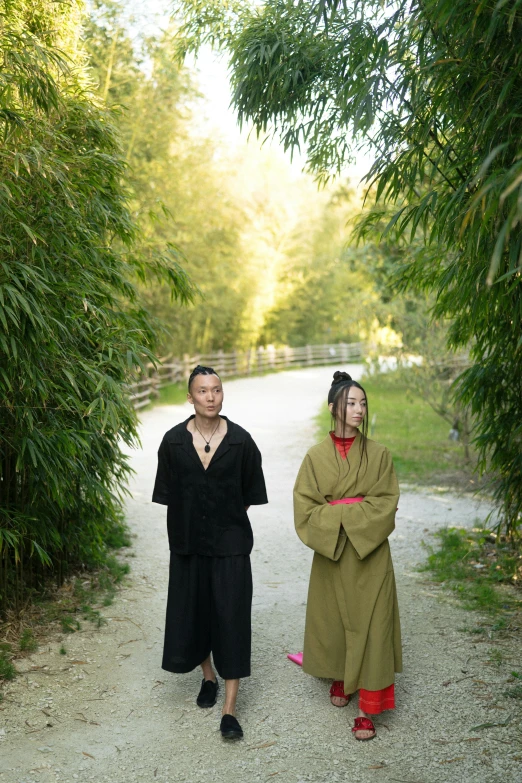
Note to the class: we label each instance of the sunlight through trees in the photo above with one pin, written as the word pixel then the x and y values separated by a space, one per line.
pixel 433 90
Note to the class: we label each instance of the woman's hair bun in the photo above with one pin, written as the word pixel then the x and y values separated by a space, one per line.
pixel 341 377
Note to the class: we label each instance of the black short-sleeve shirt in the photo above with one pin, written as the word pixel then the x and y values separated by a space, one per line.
pixel 206 508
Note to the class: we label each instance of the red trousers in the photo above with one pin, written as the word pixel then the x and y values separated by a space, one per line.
pixel 375 702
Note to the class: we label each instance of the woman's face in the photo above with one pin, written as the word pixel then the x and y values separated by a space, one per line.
pixel 355 411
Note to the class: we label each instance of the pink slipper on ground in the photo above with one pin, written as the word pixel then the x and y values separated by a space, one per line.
pixel 296 658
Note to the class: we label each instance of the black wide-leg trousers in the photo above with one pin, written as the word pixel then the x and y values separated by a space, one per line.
pixel 209 609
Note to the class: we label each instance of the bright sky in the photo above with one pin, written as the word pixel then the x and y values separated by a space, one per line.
pixel 216 117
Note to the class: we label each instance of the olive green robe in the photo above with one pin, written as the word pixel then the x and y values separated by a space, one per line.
pixel 352 630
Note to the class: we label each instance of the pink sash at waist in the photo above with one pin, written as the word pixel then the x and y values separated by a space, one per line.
pixel 346 501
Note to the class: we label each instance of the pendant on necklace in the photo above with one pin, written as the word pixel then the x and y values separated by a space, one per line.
pixel 207 448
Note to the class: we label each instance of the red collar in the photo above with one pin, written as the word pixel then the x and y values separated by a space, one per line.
pixel 337 439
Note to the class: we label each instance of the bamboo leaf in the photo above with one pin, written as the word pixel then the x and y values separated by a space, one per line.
pixel 29 232
pixel 488 161
pixel 497 253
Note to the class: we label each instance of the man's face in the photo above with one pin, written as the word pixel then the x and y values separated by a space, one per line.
pixel 206 395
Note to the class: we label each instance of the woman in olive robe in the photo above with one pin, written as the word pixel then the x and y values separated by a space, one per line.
pixel 345 500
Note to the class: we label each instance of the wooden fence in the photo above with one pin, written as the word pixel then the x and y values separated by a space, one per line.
pixel 240 364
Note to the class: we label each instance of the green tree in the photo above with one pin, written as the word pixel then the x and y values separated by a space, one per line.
pixel 433 89
pixel 72 327
pixel 330 289
pixel 321 296
pixel 182 194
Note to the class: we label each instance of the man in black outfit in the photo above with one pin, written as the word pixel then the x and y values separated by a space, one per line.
pixel 209 473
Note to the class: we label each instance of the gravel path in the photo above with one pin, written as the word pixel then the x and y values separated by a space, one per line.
pixel 107 712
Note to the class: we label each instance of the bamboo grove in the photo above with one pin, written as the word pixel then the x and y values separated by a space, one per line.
pixel 72 329
pixel 433 91
pixel 103 187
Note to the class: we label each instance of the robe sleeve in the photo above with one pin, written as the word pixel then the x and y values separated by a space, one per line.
pixel 252 478
pixel 369 523
pixel 161 491
pixel 317 524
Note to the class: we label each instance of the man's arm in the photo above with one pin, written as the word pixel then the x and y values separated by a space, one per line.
pixel 252 479
pixel 161 486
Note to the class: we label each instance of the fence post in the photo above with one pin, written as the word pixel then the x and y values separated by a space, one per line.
pixel 288 355
pixel 154 384
pixel 153 379
pixel 186 366
pixel 220 363
pixel 260 359
pixel 271 354
pixel 309 355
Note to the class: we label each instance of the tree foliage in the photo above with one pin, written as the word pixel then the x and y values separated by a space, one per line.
pixel 259 241
pixel 242 220
pixel 72 328
pixel 181 191
pixel 329 290
pixel 433 89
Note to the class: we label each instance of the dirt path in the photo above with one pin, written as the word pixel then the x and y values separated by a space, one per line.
pixel 107 712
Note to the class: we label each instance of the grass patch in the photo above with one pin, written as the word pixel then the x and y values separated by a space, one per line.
pixel 496 658
pixel 118 537
pixel 416 436
pixel 81 598
pixel 516 691
pixel 474 565
pixel 93 616
pixel 27 641
pixel 173 394
pixel 7 669
pixel 69 624
pixel 115 571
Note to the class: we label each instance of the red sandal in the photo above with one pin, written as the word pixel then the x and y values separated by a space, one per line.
pixel 337 690
pixel 364 724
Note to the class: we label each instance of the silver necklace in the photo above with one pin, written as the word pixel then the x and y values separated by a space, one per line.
pixel 207 447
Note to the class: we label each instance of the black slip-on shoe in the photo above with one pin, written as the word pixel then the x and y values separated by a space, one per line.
pixel 208 693
pixel 230 728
